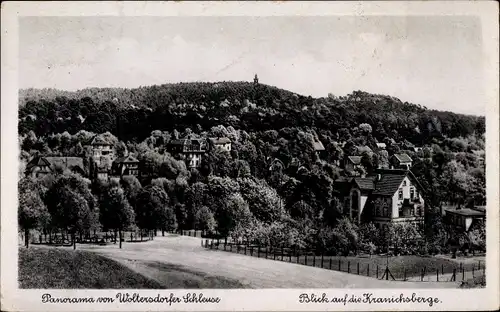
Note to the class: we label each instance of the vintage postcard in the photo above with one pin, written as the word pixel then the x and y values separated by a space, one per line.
pixel 250 156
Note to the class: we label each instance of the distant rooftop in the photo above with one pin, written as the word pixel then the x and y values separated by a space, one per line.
pixel 466 212
pixel 404 158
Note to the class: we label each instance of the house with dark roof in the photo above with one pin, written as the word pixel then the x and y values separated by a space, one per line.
pixel 390 195
pixel 101 149
pixel 401 161
pixel 190 149
pixel 127 165
pixel 352 163
pixel 223 143
pixel 39 166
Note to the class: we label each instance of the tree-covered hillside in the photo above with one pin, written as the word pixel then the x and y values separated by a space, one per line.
pixel 132 114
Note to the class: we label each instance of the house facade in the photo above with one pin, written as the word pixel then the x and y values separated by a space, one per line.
pixel 39 166
pixel 352 163
pixel 124 166
pixel 389 196
pixel 219 143
pixel 190 150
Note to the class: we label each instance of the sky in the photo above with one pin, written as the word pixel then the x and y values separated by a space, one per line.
pixel 435 61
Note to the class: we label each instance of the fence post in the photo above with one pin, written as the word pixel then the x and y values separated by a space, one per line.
pixel 358 268
pixel 422 275
pixel 404 274
pixel 463 274
pixel 131 238
pixel 437 275
pixel 442 269
pixel 460 266
pixel 305 259
pixel 473 271
pixel 322 259
pixel 274 254
pixel 348 266
pixel 298 256
pixel 368 270
pixel 377 270
pixel 281 252
pixel 225 240
pixel 258 251
pixel 479 265
pixel 245 249
pixel 340 264
pixel 212 244
pixel 454 276
pixel 314 259
pixel 289 255
pixel 251 251
pixel 231 247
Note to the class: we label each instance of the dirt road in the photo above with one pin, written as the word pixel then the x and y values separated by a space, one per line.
pixel 250 271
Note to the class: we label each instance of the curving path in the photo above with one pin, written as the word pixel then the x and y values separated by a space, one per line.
pixel 250 271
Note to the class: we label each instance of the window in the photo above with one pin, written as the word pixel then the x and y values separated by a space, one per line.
pixel 400 194
pixel 419 210
pixel 404 183
pixel 412 193
pixel 412 211
pixel 385 211
pixel 400 211
pixel 377 211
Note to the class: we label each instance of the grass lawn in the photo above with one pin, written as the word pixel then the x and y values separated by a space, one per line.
pixel 66 268
pixel 399 266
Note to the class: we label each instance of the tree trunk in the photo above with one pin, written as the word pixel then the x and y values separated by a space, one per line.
pixel 120 237
pixel 74 240
pixel 26 237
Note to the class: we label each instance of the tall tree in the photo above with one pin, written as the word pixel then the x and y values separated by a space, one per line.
pixel 115 211
pixel 32 211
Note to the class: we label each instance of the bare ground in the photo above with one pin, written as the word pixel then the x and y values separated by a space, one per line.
pixel 154 258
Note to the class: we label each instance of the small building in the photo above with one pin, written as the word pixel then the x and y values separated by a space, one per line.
pixel 127 165
pixel 40 165
pixel 223 144
pixel 191 150
pixel 352 163
pixel 401 161
pixel 319 148
pixel 464 218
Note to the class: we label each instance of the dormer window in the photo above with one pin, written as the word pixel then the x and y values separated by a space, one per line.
pixel 400 194
pixel 404 183
pixel 412 193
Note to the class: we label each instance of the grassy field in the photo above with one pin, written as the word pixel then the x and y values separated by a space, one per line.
pixel 65 268
pixel 54 268
pixel 400 266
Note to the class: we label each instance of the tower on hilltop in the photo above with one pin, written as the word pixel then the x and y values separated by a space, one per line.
pixel 256 79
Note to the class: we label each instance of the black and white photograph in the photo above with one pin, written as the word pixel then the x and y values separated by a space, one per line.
pixel 252 152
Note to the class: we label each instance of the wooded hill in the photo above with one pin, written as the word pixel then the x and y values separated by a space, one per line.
pixel 132 114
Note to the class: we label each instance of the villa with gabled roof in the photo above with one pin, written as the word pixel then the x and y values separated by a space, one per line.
pixel 390 195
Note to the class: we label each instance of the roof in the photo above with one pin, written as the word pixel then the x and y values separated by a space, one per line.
pixel 389 182
pixel 467 212
pixel 479 208
pixel 355 159
pixel 381 145
pixel 127 159
pixel 98 140
pixel 365 183
pixel 37 162
pixel 318 146
pixel 403 158
pixel 219 140
pixel 66 162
